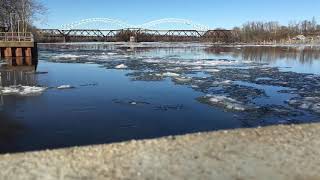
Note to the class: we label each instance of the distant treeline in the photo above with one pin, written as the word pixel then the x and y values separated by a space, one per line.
pixel 258 31
pixel 20 14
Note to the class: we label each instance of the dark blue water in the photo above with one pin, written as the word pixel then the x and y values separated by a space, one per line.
pixel 107 104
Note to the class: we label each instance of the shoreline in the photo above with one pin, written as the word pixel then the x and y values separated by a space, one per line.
pixel 278 152
pixel 197 42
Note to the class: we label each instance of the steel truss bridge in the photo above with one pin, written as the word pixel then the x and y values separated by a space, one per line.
pixel 146 35
pixel 75 32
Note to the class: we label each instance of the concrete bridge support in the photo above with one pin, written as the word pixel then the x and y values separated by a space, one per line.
pixel 24 53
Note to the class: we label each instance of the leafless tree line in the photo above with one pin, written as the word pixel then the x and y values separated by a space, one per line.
pixel 258 31
pixel 20 14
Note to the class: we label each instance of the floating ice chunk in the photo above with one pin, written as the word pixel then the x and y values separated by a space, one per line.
pixel 226 82
pixel 65 87
pixel 10 90
pixel 151 60
pixel 68 57
pixel 183 79
pixel 112 53
pixel 218 83
pixel 316 108
pixel 263 78
pixel 174 69
pixel 197 67
pixel 212 70
pixel 229 103
pixel 22 90
pixel 121 66
pixel 225 102
pixel 306 103
pixel 312 76
pixel 170 74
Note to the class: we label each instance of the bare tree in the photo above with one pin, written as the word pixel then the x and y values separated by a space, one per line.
pixel 258 31
pixel 21 14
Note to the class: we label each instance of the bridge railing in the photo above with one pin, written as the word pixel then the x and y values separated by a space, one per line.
pixel 16 37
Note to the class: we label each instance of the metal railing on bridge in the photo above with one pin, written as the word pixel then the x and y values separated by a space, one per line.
pixel 16 37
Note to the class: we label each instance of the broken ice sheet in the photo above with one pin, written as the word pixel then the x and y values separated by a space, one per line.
pixel 225 102
pixel 121 66
pixel 67 86
pixel 22 90
pixel 306 103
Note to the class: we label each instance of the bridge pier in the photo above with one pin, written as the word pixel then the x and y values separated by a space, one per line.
pixel 18 49
pixel 9 49
pixel 7 52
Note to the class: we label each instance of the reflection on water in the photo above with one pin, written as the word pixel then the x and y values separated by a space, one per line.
pixel 268 54
pixel 19 75
pixel 123 91
pixel 20 61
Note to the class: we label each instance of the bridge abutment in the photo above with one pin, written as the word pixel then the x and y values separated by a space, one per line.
pixel 18 48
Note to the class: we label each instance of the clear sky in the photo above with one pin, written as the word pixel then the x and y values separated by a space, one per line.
pixel 213 13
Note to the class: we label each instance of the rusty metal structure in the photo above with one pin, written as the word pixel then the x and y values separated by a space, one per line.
pixel 147 35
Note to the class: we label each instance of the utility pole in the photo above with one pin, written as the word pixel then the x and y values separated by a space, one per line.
pixel 19 29
pixel 11 26
pixel 23 15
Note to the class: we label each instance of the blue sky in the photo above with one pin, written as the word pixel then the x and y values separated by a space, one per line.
pixel 213 13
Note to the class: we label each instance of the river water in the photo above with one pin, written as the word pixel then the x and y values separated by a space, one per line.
pixel 93 93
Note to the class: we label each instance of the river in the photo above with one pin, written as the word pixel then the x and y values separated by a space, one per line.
pixel 94 93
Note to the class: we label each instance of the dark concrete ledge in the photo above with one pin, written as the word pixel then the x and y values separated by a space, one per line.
pixel 278 152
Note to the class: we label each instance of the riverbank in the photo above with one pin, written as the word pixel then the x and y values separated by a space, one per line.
pixel 278 152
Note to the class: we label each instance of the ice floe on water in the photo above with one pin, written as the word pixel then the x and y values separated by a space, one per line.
pixel 217 75
pixel 121 66
pixel 112 53
pixel 212 70
pixel 306 103
pixel 182 80
pixel 199 64
pixel 225 102
pixel 170 74
pixel 68 57
pixel 67 86
pixel 22 90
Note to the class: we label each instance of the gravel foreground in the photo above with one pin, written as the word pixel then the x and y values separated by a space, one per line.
pixel 278 152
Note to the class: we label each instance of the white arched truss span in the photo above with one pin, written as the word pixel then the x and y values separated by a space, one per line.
pixel 116 22
pixel 155 23
pixel 147 25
